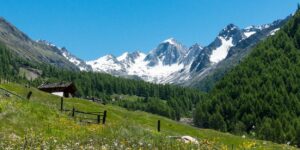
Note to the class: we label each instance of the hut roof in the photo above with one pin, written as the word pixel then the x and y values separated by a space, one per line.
pixel 55 85
pixel 60 86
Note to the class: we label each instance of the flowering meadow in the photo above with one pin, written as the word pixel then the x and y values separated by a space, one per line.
pixel 39 124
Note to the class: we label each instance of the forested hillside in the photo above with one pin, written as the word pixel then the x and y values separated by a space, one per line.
pixel 9 65
pixel 180 101
pixel 261 96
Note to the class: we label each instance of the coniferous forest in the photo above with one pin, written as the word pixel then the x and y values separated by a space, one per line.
pixel 261 96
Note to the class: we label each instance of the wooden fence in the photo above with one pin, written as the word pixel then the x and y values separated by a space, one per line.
pixel 98 116
pixel 96 100
pixel 18 96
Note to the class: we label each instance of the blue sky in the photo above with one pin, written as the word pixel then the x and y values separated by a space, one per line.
pixel 92 28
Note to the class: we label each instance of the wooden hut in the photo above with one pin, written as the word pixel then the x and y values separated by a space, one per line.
pixel 60 89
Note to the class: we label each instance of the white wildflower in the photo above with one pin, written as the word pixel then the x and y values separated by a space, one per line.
pixel 264 142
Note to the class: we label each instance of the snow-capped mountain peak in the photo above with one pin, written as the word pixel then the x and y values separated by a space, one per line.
pixel 130 57
pixel 107 63
pixel 231 31
pixel 170 41
pixel 192 53
pixel 195 46
pixel 227 38
pixel 251 30
pixel 123 56
pixel 109 57
pixel 168 52
pixel 230 27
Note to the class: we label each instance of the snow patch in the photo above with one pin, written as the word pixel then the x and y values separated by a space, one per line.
pixel 260 27
pixel 71 59
pixel 274 31
pixel 250 33
pixel 221 52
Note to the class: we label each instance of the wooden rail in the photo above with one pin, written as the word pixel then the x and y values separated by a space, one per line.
pixel 96 100
pixel 74 111
pixel 13 94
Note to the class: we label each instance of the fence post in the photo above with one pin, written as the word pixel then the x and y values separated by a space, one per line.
pixel 62 104
pixel 104 117
pixel 158 125
pixel 98 119
pixel 28 85
pixel 29 95
pixel 73 112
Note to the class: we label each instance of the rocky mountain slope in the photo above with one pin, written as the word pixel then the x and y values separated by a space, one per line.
pixel 37 51
pixel 204 76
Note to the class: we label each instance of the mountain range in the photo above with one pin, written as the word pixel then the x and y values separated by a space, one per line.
pixel 170 62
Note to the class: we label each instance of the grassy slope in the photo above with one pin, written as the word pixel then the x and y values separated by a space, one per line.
pixel 39 120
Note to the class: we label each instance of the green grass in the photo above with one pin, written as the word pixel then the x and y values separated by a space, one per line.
pixel 39 123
